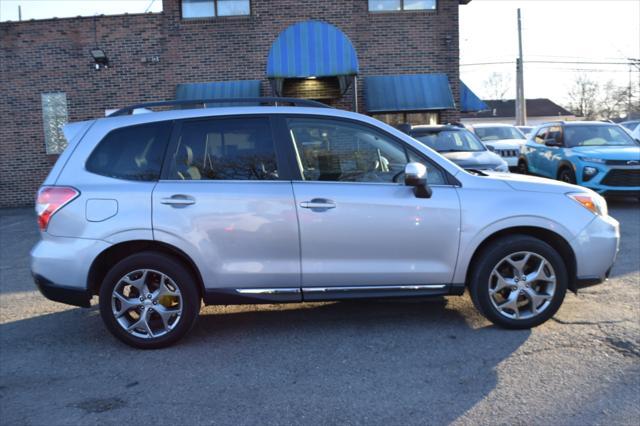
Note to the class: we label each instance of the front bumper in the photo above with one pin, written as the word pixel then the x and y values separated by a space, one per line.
pixel 596 248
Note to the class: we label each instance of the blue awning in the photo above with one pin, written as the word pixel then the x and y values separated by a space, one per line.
pixel 218 90
pixel 311 49
pixel 469 101
pixel 409 92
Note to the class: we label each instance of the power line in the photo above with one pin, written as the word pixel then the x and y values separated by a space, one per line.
pixel 149 7
pixel 553 62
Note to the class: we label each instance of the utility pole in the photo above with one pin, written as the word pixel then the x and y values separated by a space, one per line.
pixel 521 103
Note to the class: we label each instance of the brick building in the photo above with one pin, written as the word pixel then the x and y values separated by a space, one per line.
pixel 48 74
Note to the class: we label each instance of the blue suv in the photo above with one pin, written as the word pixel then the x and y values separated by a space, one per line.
pixel 600 156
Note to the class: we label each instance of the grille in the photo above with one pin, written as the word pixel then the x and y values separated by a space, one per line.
pixel 620 177
pixel 621 162
pixel 507 152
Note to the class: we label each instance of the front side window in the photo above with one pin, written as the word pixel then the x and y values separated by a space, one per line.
pixel 596 135
pixel 498 133
pixel 340 151
pixel 54 117
pixel 399 5
pixel 541 135
pixel 555 134
pixel 224 149
pixel 132 153
pixel 214 8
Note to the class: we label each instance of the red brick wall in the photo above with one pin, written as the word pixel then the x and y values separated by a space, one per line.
pixel 53 55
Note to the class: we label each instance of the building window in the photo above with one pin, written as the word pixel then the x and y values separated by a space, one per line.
pixel 413 118
pixel 213 8
pixel 54 116
pixel 399 5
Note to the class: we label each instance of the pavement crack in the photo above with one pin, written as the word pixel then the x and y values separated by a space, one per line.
pixel 563 322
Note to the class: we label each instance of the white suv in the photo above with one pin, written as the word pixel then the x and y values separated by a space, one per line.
pixel 157 212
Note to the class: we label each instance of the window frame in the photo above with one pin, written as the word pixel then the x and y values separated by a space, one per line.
pixel 296 174
pixel 215 13
pixel 169 123
pixel 403 10
pixel 282 162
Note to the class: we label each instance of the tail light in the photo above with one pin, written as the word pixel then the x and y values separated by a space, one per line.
pixel 50 200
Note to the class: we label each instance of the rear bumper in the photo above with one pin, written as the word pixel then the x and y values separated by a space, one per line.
pixel 62 294
pixel 65 261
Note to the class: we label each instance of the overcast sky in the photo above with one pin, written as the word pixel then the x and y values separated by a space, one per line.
pixel 553 30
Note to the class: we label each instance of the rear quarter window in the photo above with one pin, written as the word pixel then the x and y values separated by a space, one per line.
pixel 131 153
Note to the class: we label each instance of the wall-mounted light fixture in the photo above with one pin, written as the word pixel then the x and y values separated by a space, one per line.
pixel 99 58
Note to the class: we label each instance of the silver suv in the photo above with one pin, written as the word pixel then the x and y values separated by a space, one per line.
pixel 157 212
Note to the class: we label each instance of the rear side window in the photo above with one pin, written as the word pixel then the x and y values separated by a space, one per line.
pixel 224 149
pixel 132 153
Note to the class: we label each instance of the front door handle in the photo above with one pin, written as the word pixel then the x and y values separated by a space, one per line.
pixel 178 200
pixel 318 203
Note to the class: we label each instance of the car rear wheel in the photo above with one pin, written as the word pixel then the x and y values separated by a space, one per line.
pixel 567 175
pixel 149 300
pixel 519 282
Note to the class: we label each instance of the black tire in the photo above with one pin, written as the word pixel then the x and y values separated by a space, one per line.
pixel 491 256
pixel 567 175
pixel 172 268
pixel 523 167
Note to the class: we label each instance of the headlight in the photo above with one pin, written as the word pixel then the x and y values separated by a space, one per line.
pixel 503 167
pixel 591 201
pixel 593 160
pixel 589 172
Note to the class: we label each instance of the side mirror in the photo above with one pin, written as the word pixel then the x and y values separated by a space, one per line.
pixel 415 174
pixel 552 142
pixel 491 148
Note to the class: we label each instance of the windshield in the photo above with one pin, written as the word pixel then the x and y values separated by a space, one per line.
pixel 498 133
pixel 590 135
pixel 449 140
pixel 631 125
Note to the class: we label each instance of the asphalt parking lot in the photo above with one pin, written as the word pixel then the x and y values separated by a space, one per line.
pixel 367 362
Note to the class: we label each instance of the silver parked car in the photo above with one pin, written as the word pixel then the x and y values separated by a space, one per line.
pixel 458 145
pixel 157 212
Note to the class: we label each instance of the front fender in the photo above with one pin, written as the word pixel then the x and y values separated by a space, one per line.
pixel 472 239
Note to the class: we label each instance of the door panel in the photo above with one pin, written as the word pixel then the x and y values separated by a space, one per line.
pixel 376 234
pixel 549 155
pixel 222 201
pixel 240 234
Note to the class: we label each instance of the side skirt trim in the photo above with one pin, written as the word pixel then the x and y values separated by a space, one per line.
pixel 238 296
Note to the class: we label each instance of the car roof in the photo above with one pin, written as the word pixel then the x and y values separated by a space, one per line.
pixel 579 123
pixel 481 125
pixel 434 128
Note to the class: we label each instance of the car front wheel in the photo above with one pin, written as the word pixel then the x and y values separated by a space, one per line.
pixel 519 282
pixel 567 175
pixel 149 300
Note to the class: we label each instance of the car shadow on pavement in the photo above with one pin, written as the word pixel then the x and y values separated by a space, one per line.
pixel 377 362
pixel 628 214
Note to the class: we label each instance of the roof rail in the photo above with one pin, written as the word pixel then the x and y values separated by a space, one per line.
pixel 203 103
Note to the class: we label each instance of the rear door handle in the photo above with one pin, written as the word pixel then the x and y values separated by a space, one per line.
pixel 178 200
pixel 318 203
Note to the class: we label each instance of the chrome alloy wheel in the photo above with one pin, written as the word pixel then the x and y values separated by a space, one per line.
pixel 146 303
pixel 522 285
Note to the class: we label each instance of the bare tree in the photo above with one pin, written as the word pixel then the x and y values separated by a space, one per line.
pixel 583 96
pixel 497 86
pixel 614 101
